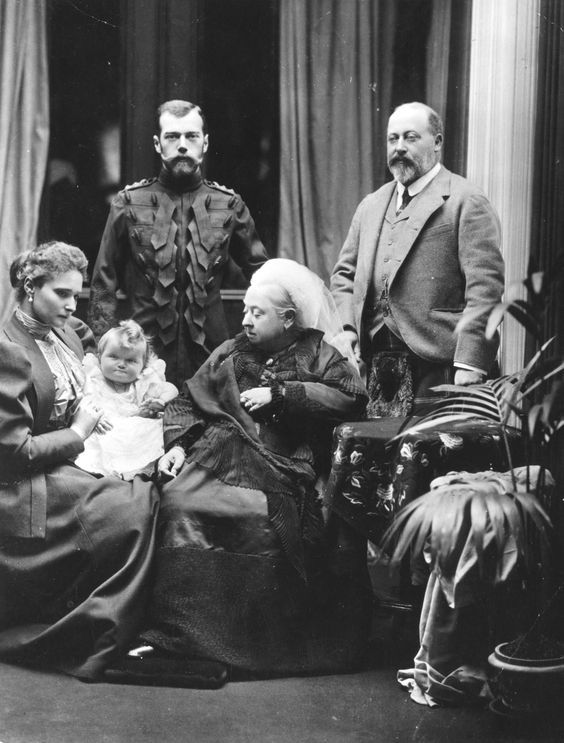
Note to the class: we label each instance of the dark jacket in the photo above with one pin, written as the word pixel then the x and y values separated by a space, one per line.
pixel 27 447
pixel 169 251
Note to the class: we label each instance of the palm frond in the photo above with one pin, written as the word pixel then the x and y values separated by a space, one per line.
pixel 541 378
pixel 525 314
pixel 480 400
pixel 493 400
pixel 533 510
pixel 546 416
pixel 528 370
pixel 535 282
pixel 479 520
pixel 470 315
pixel 536 415
pixel 521 310
pixel 431 420
pixel 497 519
pixel 488 401
pixel 463 515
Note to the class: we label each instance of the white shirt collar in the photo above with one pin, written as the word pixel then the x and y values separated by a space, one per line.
pixel 417 186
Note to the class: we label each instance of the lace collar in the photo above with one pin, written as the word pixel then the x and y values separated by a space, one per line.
pixel 34 327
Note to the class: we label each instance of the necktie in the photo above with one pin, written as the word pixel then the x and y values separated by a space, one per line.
pixel 405 199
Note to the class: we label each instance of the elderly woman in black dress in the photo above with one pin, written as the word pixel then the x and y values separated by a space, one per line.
pixel 248 575
pixel 75 549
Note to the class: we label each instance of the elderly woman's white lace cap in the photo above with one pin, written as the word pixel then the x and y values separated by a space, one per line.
pixel 314 305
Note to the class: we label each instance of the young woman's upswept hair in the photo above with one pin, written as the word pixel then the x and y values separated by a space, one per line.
pixel 44 263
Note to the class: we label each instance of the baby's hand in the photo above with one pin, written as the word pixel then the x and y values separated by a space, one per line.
pixel 151 408
pixel 103 425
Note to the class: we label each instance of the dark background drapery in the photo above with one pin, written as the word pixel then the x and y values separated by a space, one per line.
pixel 297 96
pixel 160 61
pixel 335 95
pixel 547 229
pixel 343 67
pixel 447 75
pixel 24 117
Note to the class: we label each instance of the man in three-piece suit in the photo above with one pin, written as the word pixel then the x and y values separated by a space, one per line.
pixel 421 252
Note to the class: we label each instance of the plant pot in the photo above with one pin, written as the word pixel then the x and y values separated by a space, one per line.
pixel 525 686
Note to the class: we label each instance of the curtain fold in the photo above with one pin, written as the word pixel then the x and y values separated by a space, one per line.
pixel 438 55
pixel 337 67
pixel 448 75
pixel 335 97
pixel 547 231
pixel 24 122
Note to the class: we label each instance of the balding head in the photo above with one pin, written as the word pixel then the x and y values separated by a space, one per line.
pixel 415 139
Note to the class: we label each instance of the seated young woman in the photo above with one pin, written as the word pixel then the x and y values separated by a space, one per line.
pixel 245 576
pixel 75 549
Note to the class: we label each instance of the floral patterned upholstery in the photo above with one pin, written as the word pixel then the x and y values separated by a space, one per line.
pixel 372 478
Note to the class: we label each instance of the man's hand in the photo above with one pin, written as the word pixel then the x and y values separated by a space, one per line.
pixel 255 398
pixel 464 377
pixel 169 464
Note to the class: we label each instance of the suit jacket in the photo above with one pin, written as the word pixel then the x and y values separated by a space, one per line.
pixel 27 448
pixel 448 262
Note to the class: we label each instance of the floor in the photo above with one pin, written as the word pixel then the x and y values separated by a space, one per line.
pixel 364 707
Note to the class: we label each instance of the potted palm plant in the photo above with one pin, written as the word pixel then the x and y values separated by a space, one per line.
pixel 486 530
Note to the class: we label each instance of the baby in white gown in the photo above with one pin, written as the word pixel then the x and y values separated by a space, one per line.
pixel 127 381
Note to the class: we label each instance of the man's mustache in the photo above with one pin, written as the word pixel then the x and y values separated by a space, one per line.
pixel 397 160
pixel 170 161
pixel 182 160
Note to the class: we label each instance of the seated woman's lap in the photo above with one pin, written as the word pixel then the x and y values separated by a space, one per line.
pixel 91 524
pixel 201 512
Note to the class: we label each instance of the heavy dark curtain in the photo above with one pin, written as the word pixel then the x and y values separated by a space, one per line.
pixel 223 56
pixel 547 232
pixel 160 61
pixel 448 73
pixel 343 67
pixel 547 236
pixel 24 115
pixel 335 94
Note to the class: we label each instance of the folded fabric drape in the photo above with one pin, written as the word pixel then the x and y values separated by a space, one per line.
pixel 24 119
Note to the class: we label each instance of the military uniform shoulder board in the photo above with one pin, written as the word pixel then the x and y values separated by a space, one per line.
pixel 140 184
pixel 218 187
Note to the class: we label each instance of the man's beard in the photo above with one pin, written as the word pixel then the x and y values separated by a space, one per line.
pixel 181 167
pixel 405 171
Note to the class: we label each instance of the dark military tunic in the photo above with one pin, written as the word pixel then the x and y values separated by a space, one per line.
pixel 168 250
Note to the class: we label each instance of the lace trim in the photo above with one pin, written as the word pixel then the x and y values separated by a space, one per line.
pixel 34 327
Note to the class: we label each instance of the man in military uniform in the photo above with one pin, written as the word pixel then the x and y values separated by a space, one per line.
pixel 167 244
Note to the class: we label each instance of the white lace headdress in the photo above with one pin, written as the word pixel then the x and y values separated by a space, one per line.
pixel 315 307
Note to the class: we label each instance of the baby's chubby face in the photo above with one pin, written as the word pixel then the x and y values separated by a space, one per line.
pixel 122 364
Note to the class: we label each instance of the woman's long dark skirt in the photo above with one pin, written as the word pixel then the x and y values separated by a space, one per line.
pixel 225 591
pixel 74 599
